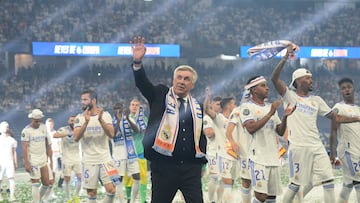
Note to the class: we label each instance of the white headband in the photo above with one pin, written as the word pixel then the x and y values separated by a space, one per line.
pixel 255 82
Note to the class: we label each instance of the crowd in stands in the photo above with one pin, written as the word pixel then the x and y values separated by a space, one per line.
pixel 55 88
pixel 203 27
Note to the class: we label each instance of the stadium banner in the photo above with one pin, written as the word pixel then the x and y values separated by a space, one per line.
pixel 101 49
pixel 315 52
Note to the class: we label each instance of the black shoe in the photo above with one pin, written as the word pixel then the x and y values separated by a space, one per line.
pixel 60 182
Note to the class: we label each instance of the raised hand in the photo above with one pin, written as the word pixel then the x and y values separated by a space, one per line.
pixel 289 110
pixel 100 112
pixel 87 114
pixel 275 105
pixel 138 48
pixel 127 113
pixel 207 92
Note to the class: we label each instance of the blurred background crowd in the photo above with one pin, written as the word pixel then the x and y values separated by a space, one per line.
pixel 204 29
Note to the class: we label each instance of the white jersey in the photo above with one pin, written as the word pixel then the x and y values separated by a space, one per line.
pixel 36 139
pixel 55 144
pixel 302 126
pixel 221 122
pixel 212 143
pixel 7 145
pixel 239 135
pixel 70 148
pixel 119 149
pixel 348 133
pixel 263 146
pixel 94 143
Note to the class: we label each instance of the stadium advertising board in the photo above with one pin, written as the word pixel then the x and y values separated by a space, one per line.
pixel 101 49
pixel 316 52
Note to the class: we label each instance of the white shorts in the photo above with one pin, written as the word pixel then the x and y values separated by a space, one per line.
pixel 7 169
pixel 244 169
pixel 93 173
pixel 265 179
pixel 68 168
pixel 213 164
pixel 36 172
pixel 351 168
pixel 228 168
pixel 127 167
pixel 309 165
pixel 56 159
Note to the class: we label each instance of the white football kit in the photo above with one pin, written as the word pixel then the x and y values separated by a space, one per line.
pixel 36 139
pixel 308 159
pixel 96 158
pixel 348 149
pixel 120 153
pixel 228 166
pixel 71 158
pixel 242 139
pixel 212 146
pixel 7 145
pixel 263 149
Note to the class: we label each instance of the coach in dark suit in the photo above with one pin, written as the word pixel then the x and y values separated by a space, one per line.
pixel 173 142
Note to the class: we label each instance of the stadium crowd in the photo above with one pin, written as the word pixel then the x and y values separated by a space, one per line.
pixel 192 25
pixel 116 21
pixel 54 89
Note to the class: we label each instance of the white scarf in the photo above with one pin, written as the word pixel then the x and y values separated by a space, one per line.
pixel 168 130
pixel 140 119
pixel 270 49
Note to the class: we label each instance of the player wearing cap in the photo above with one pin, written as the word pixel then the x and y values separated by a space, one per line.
pixel 348 148
pixel 309 163
pixel 36 149
pixel 8 158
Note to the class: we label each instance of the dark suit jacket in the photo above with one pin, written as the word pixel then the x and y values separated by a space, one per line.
pixel 156 96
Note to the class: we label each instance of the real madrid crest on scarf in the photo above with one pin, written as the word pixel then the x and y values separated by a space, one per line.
pixel 168 130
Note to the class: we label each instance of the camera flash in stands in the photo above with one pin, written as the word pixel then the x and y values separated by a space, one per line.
pixel 99 74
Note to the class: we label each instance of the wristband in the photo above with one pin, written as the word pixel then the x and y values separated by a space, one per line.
pixel 137 62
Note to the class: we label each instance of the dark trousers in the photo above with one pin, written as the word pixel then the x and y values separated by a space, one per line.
pixel 167 178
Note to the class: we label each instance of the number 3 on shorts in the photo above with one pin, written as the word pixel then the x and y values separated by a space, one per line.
pixel 296 167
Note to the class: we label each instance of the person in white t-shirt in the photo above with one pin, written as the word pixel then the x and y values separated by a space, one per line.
pixel 93 128
pixel 215 186
pixel 37 154
pixel 8 158
pixel 263 125
pixel 227 162
pixel 71 159
pixel 309 162
pixel 347 136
